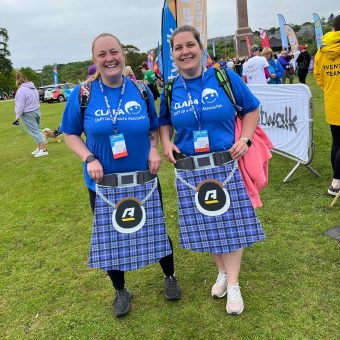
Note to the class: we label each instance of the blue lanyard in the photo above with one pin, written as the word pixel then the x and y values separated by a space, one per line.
pixel 113 118
pixel 197 113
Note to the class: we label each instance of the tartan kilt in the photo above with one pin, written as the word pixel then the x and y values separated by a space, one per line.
pixel 113 250
pixel 236 228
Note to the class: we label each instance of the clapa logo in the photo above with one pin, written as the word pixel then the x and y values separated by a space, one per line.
pixel 211 198
pixel 133 107
pixel 209 96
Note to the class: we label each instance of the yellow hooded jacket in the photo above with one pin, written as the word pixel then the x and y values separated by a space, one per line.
pixel 327 75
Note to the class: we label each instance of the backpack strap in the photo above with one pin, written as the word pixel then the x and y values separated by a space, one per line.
pixel 168 92
pixel 84 96
pixel 223 79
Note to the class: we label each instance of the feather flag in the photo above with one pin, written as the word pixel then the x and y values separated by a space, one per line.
pixel 294 44
pixel 159 61
pixel 149 60
pixel 248 45
pixel 55 75
pixel 318 30
pixel 264 38
pixel 284 39
pixel 169 24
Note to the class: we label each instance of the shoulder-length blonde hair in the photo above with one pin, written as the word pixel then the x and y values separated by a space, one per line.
pixel 20 78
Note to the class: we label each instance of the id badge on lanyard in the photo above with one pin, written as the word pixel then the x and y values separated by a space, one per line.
pixel 118 145
pixel 201 141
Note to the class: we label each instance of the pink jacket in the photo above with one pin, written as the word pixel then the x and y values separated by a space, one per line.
pixel 254 164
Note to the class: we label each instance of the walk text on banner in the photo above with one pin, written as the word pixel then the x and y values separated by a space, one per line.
pixel 286 116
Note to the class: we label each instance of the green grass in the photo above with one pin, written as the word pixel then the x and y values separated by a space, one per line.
pixel 290 282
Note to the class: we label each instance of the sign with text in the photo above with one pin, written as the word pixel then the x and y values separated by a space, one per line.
pixel 285 116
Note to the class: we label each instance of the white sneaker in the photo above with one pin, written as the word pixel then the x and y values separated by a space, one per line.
pixel 219 289
pixel 41 153
pixel 35 151
pixel 235 303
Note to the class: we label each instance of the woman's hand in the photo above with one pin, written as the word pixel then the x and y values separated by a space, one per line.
pixel 95 170
pixel 238 149
pixel 168 151
pixel 154 160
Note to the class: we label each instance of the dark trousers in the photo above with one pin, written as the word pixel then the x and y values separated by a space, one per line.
pixel 335 151
pixel 117 276
pixel 302 74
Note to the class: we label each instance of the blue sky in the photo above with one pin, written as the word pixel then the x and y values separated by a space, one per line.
pixel 45 32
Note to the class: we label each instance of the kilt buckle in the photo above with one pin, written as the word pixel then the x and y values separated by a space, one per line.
pixel 203 161
pixel 127 179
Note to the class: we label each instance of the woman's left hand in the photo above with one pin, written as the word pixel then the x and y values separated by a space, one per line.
pixel 154 160
pixel 238 149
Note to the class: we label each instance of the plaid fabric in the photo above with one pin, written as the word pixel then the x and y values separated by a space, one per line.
pixel 112 250
pixel 237 228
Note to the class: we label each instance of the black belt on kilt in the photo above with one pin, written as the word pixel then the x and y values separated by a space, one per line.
pixel 127 178
pixel 203 161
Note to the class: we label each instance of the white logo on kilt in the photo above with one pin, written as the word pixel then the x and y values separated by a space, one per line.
pixel 129 215
pixel 211 198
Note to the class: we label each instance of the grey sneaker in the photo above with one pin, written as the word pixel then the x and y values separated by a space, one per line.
pixel 121 304
pixel 235 303
pixel 172 290
pixel 219 289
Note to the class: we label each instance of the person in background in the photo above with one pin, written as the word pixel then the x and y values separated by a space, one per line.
pixel 328 78
pixel 27 109
pixel 288 72
pixel 150 79
pixel 256 69
pixel 128 72
pixel 303 61
pixel 204 149
pixel 275 67
pixel 238 66
pixel 120 159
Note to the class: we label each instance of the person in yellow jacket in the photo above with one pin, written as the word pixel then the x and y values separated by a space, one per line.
pixel 327 75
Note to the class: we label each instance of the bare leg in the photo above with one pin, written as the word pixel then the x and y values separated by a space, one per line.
pixel 42 146
pixel 232 264
pixel 219 262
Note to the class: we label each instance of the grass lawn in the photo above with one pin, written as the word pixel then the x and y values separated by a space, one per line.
pixel 290 282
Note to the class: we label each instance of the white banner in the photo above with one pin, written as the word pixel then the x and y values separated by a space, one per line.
pixel 285 116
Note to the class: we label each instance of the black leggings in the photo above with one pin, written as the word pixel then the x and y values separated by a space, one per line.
pixel 335 151
pixel 302 74
pixel 117 276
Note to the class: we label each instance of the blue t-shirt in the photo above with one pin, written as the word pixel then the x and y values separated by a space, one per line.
pixel 217 113
pixel 133 120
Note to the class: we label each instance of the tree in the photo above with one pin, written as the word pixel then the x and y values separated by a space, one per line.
pixel 5 63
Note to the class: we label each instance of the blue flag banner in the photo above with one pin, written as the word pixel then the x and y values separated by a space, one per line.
pixel 318 30
pixel 160 60
pixel 284 39
pixel 168 26
pixel 55 75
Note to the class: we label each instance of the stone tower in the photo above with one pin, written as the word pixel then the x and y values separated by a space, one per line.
pixel 243 30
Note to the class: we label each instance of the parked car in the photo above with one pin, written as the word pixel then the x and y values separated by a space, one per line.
pixel 42 90
pixel 59 92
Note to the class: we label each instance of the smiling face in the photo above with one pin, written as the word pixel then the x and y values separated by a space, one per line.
pixel 187 54
pixel 109 59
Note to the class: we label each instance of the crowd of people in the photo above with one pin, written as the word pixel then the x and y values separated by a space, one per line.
pixel 121 160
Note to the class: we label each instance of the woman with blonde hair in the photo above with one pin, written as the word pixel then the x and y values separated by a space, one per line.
pixel 275 67
pixel 27 109
pixel 121 161
pixel 128 72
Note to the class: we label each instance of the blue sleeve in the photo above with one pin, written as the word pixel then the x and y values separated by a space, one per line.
pixel 154 122
pixel 242 94
pixel 164 115
pixel 72 122
pixel 279 70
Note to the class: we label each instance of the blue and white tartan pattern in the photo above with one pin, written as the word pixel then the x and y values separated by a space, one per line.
pixel 112 250
pixel 237 228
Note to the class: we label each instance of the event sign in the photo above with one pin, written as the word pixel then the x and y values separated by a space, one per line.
pixel 284 39
pixel 318 30
pixel 285 116
pixel 294 44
